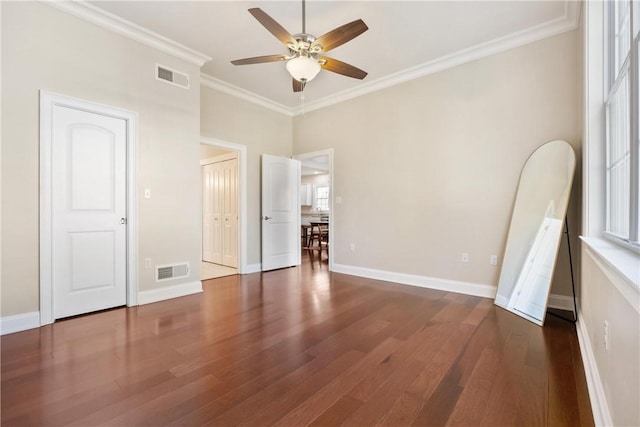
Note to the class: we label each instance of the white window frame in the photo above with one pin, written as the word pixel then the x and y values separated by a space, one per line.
pixel 316 198
pixel 614 74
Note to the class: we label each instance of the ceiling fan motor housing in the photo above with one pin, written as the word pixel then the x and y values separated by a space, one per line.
pixel 304 45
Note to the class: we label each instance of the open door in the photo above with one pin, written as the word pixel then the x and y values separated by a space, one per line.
pixel 280 212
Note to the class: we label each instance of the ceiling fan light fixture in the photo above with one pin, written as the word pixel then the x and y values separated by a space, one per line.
pixel 303 68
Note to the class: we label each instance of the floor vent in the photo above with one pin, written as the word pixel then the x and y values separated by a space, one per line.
pixel 172 271
pixel 172 76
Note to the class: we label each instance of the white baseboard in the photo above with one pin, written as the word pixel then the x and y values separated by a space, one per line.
pixel 561 302
pixel 597 396
pixel 475 289
pixel 168 292
pixel 19 322
pixel 252 268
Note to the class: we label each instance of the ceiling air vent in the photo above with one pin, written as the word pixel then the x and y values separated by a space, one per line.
pixel 172 76
pixel 172 271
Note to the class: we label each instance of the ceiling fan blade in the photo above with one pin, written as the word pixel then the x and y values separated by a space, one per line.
pixel 274 28
pixel 297 86
pixel 340 35
pixel 343 68
pixel 259 59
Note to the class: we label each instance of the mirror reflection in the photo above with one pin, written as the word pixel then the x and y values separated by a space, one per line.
pixel 536 227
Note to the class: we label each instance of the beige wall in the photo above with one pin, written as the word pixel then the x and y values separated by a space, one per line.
pixel 437 159
pixel 618 367
pixel 43 48
pixel 261 130
pixel 433 164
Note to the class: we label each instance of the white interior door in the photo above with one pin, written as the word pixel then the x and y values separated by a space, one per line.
pixel 229 169
pixel 212 214
pixel 220 213
pixel 207 213
pixel 88 211
pixel 280 212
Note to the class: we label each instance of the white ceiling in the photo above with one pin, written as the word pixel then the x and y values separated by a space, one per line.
pixel 405 39
pixel 315 165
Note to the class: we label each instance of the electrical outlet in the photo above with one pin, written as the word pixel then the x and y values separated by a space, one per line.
pixel 465 257
pixel 493 260
pixel 606 335
pixel 352 246
pixel 147 263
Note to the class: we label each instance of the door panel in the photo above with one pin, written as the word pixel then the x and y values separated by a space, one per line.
pixel 207 213
pixel 230 213
pixel 218 200
pixel 212 215
pixel 91 150
pixel 92 260
pixel 88 211
pixel 280 212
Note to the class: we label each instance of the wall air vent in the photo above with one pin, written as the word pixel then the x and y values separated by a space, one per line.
pixel 173 77
pixel 172 271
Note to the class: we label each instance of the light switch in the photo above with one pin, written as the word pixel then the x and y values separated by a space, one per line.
pixel 147 193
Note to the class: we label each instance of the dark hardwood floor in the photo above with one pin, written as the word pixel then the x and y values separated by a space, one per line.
pixel 296 347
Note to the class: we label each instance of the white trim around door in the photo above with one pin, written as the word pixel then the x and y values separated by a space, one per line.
pixel 241 150
pixel 48 101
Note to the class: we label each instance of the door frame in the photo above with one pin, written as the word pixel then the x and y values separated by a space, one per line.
pixel 332 233
pixel 49 100
pixel 241 152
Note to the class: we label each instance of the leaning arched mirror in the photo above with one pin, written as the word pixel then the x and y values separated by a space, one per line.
pixel 535 231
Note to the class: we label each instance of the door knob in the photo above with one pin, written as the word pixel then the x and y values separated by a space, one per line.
pixel 266 218
pixel 123 220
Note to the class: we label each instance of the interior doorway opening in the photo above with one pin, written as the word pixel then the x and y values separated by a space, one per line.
pixel 317 205
pixel 222 245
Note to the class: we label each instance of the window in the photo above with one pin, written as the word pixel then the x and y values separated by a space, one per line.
pixel 622 116
pixel 322 197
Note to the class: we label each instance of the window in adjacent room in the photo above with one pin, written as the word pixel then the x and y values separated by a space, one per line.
pixel 322 197
pixel 622 117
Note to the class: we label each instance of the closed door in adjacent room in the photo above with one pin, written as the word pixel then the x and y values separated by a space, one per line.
pixel 220 212
pixel 88 211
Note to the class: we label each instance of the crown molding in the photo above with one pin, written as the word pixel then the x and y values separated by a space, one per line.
pixel 83 10
pixel 221 86
pixel 569 21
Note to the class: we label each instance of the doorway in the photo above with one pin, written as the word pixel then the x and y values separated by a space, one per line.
pixel 223 238
pixel 87 207
pixel 317 201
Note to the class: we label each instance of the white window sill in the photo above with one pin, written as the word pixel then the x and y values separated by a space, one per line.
pixel 624 262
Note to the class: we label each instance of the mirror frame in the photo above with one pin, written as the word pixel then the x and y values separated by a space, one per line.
pixel 514 247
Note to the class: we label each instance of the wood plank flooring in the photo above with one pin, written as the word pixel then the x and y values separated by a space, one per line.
pixel 296 347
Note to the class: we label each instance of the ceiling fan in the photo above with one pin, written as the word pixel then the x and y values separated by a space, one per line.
pixel 306 52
